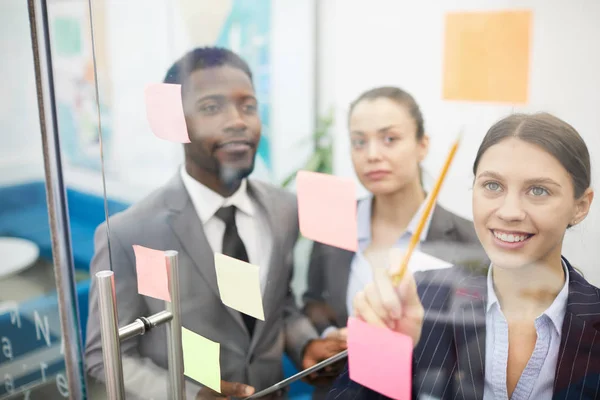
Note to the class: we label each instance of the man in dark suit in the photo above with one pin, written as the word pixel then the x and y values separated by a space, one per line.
pixel 210 206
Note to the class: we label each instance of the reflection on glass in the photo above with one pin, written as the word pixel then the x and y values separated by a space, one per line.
pixel 31 357
pixel 139 163
pixel 135 46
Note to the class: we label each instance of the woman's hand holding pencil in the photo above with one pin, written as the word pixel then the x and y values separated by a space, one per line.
pixel 392 300
pixel 398 308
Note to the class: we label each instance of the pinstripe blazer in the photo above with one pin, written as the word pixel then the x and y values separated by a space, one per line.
pixel 448 362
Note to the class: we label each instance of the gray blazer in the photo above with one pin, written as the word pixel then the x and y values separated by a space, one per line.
pixel 450 238
pixel 167 220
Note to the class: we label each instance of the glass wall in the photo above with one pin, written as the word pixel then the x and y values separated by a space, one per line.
pixel 309 61
pixel 32 360
pixel 139 181
pixel 135 44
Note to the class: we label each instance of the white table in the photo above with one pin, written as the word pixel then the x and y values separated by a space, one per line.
pixel 16 255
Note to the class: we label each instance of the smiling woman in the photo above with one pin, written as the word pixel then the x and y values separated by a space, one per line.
pixel 513 200
pixel 528 326
pixel 521 211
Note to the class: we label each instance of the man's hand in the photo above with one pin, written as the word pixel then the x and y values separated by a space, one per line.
pixel 341 334
pixel 228 390
pixel 318 350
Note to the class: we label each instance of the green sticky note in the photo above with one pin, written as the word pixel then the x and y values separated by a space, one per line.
pixel 201 359
pixel 67 36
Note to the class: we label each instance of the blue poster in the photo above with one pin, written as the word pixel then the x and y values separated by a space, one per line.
pixel 246 32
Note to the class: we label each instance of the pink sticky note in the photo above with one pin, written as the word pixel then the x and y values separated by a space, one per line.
pixel 380 359
pixel 164 111
pixel 152 274
pixel 327 209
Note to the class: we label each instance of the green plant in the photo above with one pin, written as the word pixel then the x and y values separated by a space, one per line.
pixel 321 159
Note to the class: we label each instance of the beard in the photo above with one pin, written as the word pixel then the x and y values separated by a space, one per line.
pixel 232 176
pixel 229 174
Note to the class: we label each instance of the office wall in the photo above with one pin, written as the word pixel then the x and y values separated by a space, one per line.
pixel 21 146
pixel 142 41
pixel 399 42
pixel 136 41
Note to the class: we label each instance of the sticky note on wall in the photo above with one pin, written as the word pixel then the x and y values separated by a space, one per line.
pixel 164 110
pixel 152 273
pixel 239 285
pixel 327 209
pixel 201 359
pixel 380 359
pixel 487 56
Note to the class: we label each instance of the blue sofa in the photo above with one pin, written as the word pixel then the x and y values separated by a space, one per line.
pixel 24 214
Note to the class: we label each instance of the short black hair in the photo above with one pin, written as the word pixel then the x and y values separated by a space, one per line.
pixel 202 58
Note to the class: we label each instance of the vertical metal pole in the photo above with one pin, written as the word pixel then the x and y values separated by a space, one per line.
pixel 109 327
pixel 317 63
pixel 56 198
pixel 175 348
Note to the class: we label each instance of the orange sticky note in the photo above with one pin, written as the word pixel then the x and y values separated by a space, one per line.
pixel 380 359
pixel 152 274
pixel 164 110
pixel 487 56
pixel 327 209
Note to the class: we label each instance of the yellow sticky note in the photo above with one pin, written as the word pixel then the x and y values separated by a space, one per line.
pixel 486 56
pixel 239 285
pixel 201 359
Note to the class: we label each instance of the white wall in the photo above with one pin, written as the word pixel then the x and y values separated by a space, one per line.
pixel 293 90
pixel 20 141
pixel 400 42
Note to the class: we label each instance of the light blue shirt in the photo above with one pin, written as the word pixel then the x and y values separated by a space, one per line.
pixel 537 380
pixel 360 269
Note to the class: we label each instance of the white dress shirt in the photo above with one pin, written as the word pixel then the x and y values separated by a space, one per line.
pixel 361 273
pixel 537 380
pixel 250 219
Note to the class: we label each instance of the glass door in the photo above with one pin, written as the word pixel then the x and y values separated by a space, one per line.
pixel 40 291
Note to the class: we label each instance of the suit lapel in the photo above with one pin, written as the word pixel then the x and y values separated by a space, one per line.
pixel 577 369
pixel 186 225
pixel 272 210
pixel 469 337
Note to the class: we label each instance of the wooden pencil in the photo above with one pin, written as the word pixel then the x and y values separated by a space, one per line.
pixel 414 241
